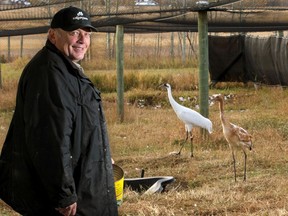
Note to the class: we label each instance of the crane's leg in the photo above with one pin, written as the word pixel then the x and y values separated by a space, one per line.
pixel 182 145
pixel 245 158
pixel 191 144
pixel 234 164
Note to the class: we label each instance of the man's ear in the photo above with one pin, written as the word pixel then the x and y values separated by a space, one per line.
pixel 52 35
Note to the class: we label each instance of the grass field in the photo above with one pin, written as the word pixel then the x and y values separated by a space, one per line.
pixel 204 184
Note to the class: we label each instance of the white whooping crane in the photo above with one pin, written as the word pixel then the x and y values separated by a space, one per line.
pixel 189 117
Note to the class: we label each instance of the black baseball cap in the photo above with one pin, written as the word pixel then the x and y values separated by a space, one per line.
pixel 71 18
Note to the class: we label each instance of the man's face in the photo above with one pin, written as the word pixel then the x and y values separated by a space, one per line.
pixel 73 44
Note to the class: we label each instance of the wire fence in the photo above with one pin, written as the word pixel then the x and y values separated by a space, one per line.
pixel 160 46
pixel 148 16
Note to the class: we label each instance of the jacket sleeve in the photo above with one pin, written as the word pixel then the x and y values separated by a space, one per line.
pixel 49 110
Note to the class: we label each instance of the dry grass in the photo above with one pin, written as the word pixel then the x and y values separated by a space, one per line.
pixel 204 184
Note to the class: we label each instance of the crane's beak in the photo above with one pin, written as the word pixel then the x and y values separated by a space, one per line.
pixel 161 85
pixel 213 97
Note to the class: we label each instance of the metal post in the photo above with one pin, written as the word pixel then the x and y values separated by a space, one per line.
pixel 119 67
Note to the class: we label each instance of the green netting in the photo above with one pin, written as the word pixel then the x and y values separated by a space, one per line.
pixel 244 58
pixel 164 16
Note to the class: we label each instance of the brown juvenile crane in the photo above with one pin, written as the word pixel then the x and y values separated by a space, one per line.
pixel 236 136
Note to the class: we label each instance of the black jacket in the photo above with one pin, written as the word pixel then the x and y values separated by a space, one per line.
pixel 57 151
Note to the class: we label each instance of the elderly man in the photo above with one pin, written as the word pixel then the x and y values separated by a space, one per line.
pixel 56 157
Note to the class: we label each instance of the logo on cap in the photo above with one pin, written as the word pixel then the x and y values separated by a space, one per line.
pixel 80 16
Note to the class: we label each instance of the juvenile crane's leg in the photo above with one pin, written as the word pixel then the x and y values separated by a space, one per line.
pixel 234 164
pixel 191 144
pixel 183 143
pixel 245 158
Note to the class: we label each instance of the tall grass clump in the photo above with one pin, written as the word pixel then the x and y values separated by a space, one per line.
pixel 20 63
pixel 180 79
pixel 141 63
pixel 10 77
pixel 106 82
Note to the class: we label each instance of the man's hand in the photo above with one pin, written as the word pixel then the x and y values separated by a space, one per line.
pixel 69 210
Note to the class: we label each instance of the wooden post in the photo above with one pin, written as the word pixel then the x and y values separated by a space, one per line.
pixel 119 66
pixel 203 64
pixel 9 49
pixel 183 48
pixel 172 55
pixel 21 46
pixel 108 46
pixel 0 77
pixel 132 54
pixel 108 35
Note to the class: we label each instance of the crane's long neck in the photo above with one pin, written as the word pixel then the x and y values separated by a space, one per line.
pixel 171 99
pixel 221 108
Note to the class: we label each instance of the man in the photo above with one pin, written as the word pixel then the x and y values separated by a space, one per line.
pixel 56 158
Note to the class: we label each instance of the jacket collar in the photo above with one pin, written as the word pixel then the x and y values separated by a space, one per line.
pixel 78 70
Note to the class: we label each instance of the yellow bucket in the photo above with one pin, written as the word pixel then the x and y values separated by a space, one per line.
pixel 119 183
